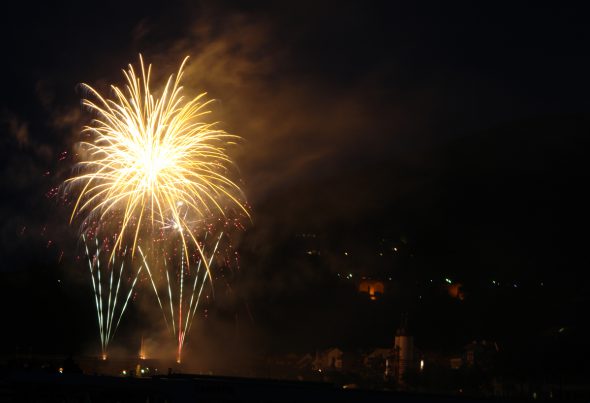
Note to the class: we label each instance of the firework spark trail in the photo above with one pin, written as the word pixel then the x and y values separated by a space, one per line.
pixel 190 316
pixel 99 295
pixel 197 273
pixel 110 293
pixel 180 307
pixel 117 291
pixel 195 284
pixel 106 318
pixel 153 284
pixel 170 299
pixel 90 266
pixel 127 299
pixel 198 298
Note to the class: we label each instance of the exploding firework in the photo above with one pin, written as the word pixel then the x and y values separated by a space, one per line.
pixel 153 160
pixel 154 168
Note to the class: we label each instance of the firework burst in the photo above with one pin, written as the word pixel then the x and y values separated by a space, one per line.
pixel 153 159
pixel 153 166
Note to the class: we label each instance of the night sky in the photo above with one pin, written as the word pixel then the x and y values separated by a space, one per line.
pixel 457 134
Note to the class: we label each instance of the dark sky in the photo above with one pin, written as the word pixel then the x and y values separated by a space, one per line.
pixel 458 132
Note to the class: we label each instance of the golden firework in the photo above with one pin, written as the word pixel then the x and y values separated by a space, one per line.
pixel 153 159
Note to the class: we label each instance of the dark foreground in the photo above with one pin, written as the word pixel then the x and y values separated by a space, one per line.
pixel 43 387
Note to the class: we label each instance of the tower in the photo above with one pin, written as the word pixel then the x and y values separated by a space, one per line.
pixel 404 350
